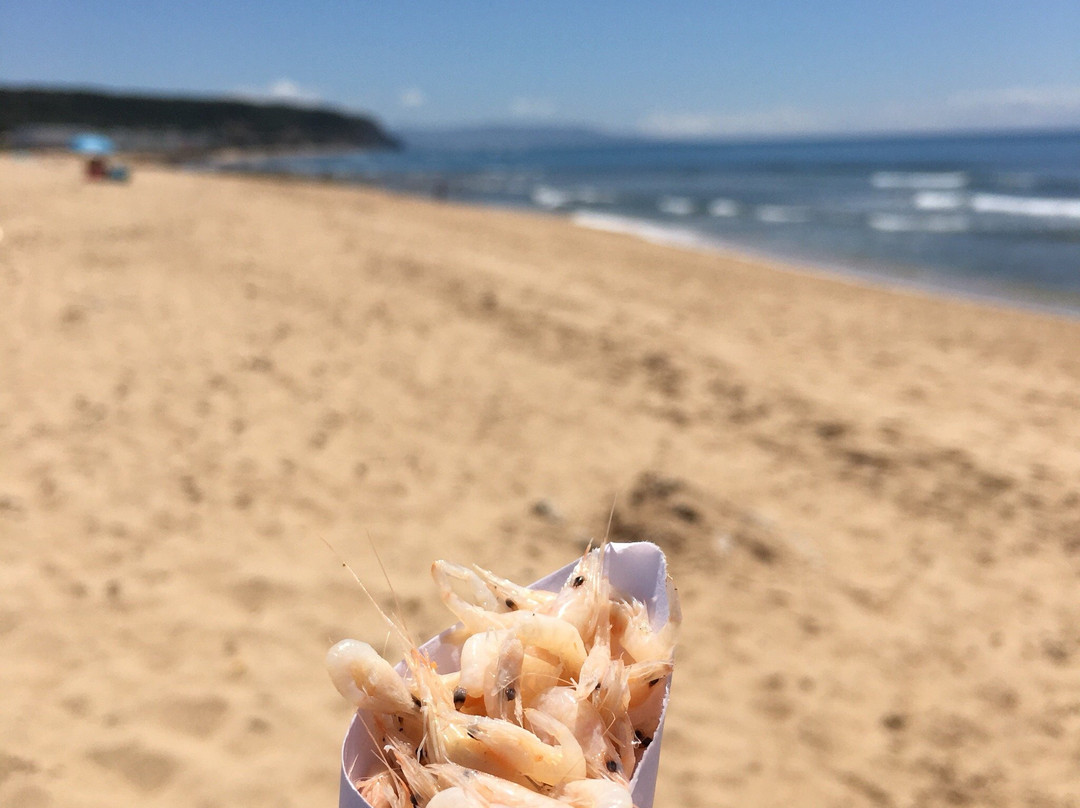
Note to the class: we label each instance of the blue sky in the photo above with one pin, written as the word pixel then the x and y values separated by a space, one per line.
pixel 695 69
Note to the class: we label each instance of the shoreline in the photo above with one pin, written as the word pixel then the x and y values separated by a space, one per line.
pixel 664 233
pixel 897 281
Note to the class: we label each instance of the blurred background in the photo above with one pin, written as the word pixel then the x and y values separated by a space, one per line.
pixel 795 288
pixel 932 145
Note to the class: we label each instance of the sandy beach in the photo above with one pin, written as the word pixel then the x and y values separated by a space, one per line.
pixel 870 499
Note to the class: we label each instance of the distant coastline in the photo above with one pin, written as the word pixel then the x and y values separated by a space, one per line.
pixel 180 127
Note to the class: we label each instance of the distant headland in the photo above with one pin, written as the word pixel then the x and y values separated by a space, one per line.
pixel 35 117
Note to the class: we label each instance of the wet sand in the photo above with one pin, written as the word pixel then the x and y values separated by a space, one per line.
pixel 869 498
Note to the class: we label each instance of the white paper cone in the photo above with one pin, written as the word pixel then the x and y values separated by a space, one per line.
pixel 636 569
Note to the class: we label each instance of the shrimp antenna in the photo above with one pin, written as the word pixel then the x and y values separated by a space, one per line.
pixel 390 586
pixel 376 744
pixel 607 533
pixel 352 766
pixel 399 630
pixel 611 518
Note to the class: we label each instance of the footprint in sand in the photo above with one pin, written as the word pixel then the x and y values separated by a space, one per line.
pixel 11 765
pixel 254 593
pixel 663 375
pixel 145 769
pixel 196 716
pixel 9 621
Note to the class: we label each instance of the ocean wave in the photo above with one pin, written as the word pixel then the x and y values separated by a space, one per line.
pixel 899 223
pixel 550 198
pixel 545 196
pixel 938 200
pixel 1043 207
pixel 723 207
pixel 780 214
pixel 924 180
pixel 675 205
pixel 647 230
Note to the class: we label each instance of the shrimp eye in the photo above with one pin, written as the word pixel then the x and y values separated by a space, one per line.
pixel 510 693
pixel 416 702
pixel 612 766
pixel 510 604
pixel 459 696
pixel 578 581
pixel 652 682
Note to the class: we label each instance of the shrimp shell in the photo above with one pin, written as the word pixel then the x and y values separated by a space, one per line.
pixel 595 794
pixel 523 751
pixel 365 679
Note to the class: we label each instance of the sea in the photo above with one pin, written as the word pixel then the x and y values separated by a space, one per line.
pixel 987 216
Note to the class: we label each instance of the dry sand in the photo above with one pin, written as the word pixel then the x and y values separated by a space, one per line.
pixel 869 498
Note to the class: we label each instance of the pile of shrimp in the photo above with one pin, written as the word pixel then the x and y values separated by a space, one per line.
pixel 557 696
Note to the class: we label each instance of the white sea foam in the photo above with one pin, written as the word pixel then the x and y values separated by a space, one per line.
pixel 938 200
pixel 675 205
pixel 899 223
pixel 1043 207
pixel 723 207
pixel 641 228
pixel 924 180
pixel 780 214
pixel 553 198
pixel 550 198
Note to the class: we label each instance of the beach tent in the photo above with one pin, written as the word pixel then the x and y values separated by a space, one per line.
pixel 90 143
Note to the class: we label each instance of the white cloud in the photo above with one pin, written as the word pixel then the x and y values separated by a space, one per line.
pixel 990 109
pixel 783 120
pixel 412 97
pixel 522 107
pixel 1000 108
pixel 287 90
pixel 1054 98
pixel 284 91
pixel 1018 106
